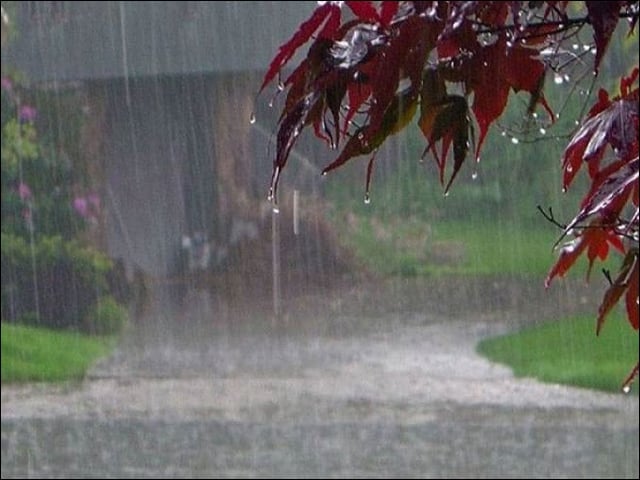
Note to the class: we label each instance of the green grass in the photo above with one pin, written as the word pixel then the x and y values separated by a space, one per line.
pixel 38 354
pixel 414 247
pixel 568 352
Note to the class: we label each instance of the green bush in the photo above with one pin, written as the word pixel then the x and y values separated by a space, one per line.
pixel 106 317
pixel 57 279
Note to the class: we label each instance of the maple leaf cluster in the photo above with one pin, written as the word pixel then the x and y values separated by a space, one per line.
pixel 453 65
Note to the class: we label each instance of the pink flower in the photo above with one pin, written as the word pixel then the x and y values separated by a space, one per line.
pixel 81 206
pixel 27 114
pixel 88 207
pixel 6 84
pixel 24 192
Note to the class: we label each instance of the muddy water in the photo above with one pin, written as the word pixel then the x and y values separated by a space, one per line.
pixel 378 381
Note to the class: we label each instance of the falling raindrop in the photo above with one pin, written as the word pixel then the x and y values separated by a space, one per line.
pixel 252 118
pixel 566 78
pixel 275 209
pixel 626 389
pixel 474 175
pixel 446 194
pixel 280 86
pixel 367 198
pixel 514 140
pixel 543 131
pixel 558 79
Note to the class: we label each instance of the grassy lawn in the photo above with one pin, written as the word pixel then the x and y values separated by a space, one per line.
pixel 569 352
pixel 411 247
pixel 38 354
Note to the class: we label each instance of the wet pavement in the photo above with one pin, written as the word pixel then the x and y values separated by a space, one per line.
pixel 358 382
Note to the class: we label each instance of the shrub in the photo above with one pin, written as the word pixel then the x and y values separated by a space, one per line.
pixel 58 279
pixel 106 317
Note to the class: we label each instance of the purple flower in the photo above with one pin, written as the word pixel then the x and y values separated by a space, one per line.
pixel 88 207
pixel 27 114
pixel 6 84
pixel 24 192
pixel 81 206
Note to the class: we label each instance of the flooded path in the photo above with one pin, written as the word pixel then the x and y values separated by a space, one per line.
pixel 209 389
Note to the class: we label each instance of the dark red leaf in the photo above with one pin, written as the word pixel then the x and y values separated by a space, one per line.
pixel 304 33
pixel 631 299
pixel 568 255
pixel 290 128
pixel 356 145
pixel 365 11
pixel 446 120
pixel 612 194
pixel 388 11
pixel 388 73
pixel 626 385
pixel 615 126
pixel 370 137
pixel 618 288
pixel 368 179
pixel 604 17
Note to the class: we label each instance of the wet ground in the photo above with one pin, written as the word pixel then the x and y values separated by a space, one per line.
pixel 372 379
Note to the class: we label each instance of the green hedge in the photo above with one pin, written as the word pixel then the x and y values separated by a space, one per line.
pixel 52 282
